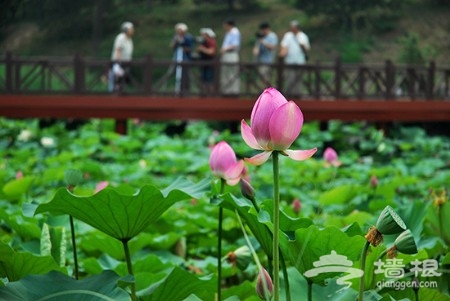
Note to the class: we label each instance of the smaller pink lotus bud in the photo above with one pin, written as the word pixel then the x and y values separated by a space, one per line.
pixel 331 157
pixel 264 285
pixel 296 206
pixel 224 164
pixel 373 181
pixel 247 190
pixel 19 175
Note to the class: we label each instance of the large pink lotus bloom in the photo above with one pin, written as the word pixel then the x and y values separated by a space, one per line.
pixel 331 157
pixel 275 124
pixel 224 164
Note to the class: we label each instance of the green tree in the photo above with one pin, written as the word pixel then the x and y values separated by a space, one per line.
pixel 353 14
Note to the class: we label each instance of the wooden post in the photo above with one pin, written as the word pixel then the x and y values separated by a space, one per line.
pixel 148 74
pixel 216 70
pixel 78 67
pixel 337 78
pixel 361 82
pixel 318 79
pixel 280 76
pixel 430 81
pixel 390 80
pixel 9 72
pixel 411 82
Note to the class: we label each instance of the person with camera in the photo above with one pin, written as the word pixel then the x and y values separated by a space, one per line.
pixel 264 51
pixel 182 44
pixel 122 52
pixel 207 50
pixel 294 48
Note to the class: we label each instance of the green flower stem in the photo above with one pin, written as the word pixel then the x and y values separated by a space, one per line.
pixel 276 227
pixel 441 232
pixel 285 277
pixel 374 278
pixel 74 246
pixel 282 262
pixel 130 268
pixel 310 283
pixel 74 242
pixel 363 267
pixel 219 246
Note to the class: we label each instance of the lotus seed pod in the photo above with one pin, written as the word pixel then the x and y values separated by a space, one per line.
pixel 405 243
pixel 73 177
pixel 241 257
pixel 389 222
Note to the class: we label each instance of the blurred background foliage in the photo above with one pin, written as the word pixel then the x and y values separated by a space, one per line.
pixel 406 31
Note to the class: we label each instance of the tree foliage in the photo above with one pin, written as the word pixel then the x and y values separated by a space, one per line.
pixel 353 14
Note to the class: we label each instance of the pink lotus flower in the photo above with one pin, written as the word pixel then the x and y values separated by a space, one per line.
pixel 224 164
pixel 275 124
pixel 331 157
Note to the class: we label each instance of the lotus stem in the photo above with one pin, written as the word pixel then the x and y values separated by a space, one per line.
pixel 219 246
pixel 130 268
pixel 74 247
pixel 276 226
pixel 363 268
pixel 310 283
pixel 285 277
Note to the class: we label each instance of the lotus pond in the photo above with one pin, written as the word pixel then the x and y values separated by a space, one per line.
pixel 87 214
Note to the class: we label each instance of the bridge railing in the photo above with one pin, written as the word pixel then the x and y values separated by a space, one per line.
pixel 334 81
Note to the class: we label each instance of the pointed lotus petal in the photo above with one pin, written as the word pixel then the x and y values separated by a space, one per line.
pixel 265 106
pixel 285 126
pixel 300 155
pixel 248 136
pixel 259 158
pixel 233 174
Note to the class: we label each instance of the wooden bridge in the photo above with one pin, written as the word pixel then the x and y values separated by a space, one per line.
pixel 77 87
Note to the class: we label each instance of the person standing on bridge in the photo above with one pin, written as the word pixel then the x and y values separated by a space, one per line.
pixel 181 44
pixel 207 51
pixel 229 76
pixel 122 52
pixel 294 48
pixel 264 51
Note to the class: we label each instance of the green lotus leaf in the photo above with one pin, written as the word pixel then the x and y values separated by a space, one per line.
pixel 17 187
pixel 16 265
pixel 247 212
pixel 178 285
pixel 312 243
pixel 118 215
pixel 287 224
pixel 55 286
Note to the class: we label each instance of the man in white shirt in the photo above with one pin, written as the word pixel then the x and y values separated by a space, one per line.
pixel 294 48
pixel 122 52
pixel 229 75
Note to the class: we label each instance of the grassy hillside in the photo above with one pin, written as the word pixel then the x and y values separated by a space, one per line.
pixel 427 24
